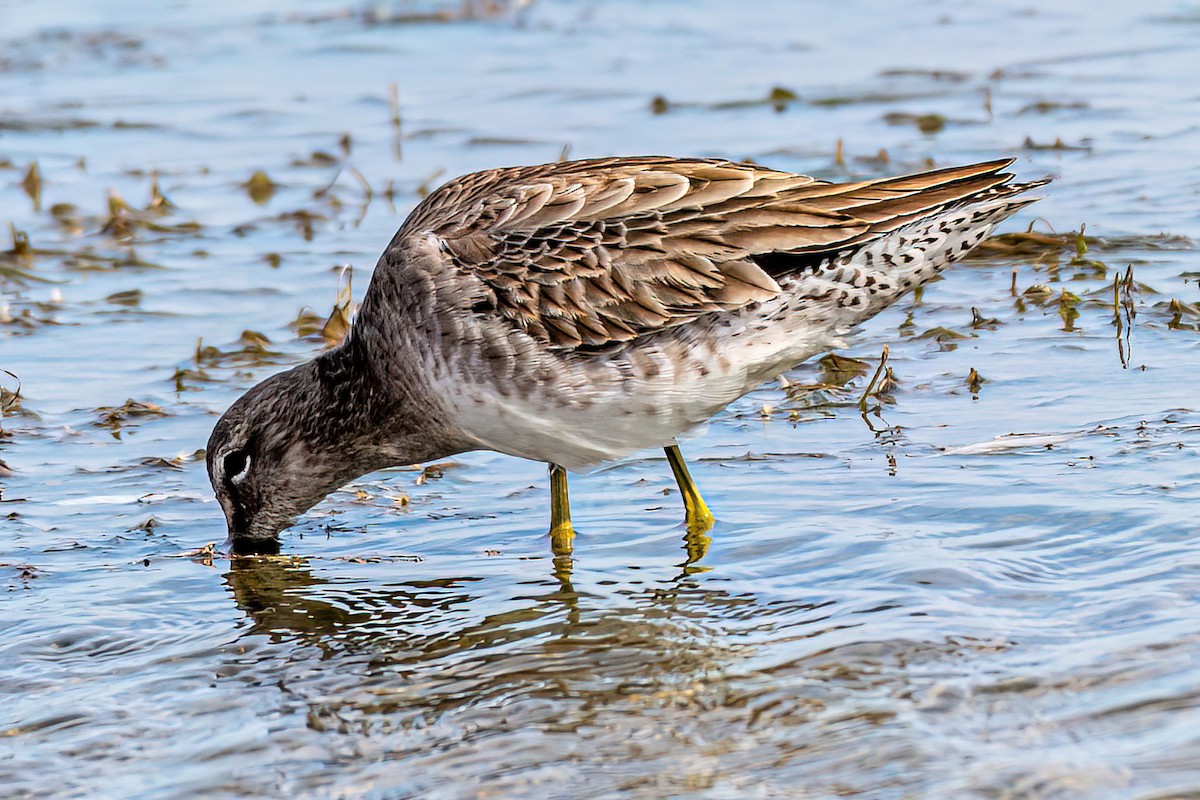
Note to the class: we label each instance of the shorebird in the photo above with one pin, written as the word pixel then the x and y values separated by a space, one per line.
pixel 576 312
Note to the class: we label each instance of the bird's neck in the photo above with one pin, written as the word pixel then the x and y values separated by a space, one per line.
pixel 379 407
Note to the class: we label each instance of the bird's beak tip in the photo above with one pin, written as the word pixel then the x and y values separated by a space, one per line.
pixel 246 546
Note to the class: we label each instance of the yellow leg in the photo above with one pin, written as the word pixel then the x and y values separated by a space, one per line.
pixel 697 516
pixel 562 533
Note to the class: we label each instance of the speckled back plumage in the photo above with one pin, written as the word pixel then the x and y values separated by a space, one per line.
pixel 579 311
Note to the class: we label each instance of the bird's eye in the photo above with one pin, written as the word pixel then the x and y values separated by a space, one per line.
pixel 237 466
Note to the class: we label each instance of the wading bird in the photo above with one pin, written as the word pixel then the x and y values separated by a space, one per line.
pixel 576 312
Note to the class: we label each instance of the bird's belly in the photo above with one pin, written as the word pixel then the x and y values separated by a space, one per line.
pixel 575 435
pixel 582 411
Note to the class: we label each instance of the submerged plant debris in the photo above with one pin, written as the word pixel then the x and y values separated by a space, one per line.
pixel 32 184
pixel 925 123
pixel 337 325
pixel 260 187
pixel 115 418
pixel 10 401
pixel 839 370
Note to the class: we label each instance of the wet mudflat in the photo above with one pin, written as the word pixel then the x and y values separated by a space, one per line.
pixel 986 585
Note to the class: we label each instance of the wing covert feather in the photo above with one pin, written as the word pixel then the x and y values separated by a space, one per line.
pixel 588 253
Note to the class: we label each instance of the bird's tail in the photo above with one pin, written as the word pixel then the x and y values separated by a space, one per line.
pixel 868 280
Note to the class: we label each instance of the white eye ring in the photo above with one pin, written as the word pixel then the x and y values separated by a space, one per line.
pixel 241 474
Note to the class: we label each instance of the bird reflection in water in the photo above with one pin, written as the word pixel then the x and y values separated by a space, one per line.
pixel 424 645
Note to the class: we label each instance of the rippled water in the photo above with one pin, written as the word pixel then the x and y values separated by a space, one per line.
pixel 989 589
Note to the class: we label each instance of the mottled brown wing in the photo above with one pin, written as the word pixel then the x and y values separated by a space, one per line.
pixel 586 253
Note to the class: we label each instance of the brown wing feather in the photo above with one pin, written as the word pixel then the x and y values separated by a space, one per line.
pixel 587 253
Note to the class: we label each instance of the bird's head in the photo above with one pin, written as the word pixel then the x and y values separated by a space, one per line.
pixel 274 454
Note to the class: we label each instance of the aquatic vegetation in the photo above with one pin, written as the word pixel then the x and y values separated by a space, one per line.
pixel 1184 315
pixel 837 370
pixel 317 158
pixel 926 123
pixel 873 385
pixel 1067 302
pixel 778 98
pixel 1057 144
pixel 116 418
pixel 953 76
pixel 1124 311
pixel 975 382
pixel 1050 106
pixel 129 298
pixel 32 184
pixel 260 187
pixel 303 220
pixel 308 323
pixel 979 321
pixel 395 120
pixel 251 348
pixel 337 325
pixel 158 203
pixel 10 403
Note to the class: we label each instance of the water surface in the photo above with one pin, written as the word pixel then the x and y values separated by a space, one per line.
pixel 986 589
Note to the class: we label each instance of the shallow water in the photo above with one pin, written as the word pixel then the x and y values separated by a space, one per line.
pixel 895 605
